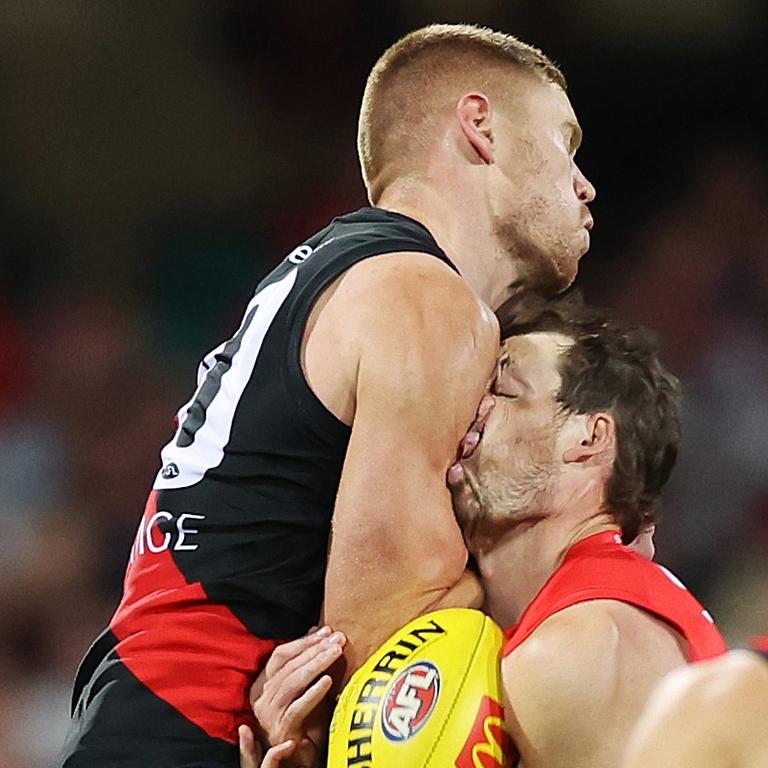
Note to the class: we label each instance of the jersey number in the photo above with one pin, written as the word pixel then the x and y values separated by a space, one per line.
pixel 198 408
pixel 205 422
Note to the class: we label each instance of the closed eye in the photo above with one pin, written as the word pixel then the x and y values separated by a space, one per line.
pixel 506 386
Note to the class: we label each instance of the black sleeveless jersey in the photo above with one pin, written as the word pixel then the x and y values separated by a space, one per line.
pixel 230 554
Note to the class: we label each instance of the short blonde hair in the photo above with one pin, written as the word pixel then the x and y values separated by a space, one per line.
pixel 396 96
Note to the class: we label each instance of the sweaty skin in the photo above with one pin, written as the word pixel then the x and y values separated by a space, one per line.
pixel 709 715
pixel 575 686
pixel 403 316
pixel 573 689
pixel 505 200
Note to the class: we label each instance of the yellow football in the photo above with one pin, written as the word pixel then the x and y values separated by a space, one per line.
pixel 430 697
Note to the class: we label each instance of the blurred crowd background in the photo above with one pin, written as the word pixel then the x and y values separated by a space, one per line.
pixel 159 158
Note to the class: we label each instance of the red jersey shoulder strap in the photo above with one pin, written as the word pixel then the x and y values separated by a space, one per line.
pixel 600 567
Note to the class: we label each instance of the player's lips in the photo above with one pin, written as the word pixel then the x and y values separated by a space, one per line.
pixel 471 440
pixel 589 223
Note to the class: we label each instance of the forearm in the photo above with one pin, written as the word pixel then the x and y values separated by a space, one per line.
pixel 368 623
pixel 467 592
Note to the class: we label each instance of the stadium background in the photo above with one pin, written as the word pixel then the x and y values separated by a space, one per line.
pixel 158 158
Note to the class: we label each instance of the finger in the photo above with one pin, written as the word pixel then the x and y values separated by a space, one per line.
pixel 285 653
pixel 315 662
pixel 250 749
pixel 280 677
pixel 283 689
pixel 300 709
pixel 278 753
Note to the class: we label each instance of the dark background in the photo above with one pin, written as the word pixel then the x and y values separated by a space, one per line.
pixel 159 157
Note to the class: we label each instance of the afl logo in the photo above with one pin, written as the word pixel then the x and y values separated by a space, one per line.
pixel 170 471
pixel 410 701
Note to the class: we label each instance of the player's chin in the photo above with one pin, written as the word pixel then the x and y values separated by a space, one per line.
pixel 555 269
pixel 568 265
pixel 564 276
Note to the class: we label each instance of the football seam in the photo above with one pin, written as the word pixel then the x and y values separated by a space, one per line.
pixel 458 693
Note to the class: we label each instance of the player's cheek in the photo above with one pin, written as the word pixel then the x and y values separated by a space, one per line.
pixel 498 439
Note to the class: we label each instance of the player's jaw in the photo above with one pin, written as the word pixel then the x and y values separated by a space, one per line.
pixel 512 469
pixel 539 195
pixel 546 250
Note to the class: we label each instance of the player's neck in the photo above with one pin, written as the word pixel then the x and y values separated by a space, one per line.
pixel 464 232
pixel 521 561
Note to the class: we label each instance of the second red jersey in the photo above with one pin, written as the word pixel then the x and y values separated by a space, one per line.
pixel 600 567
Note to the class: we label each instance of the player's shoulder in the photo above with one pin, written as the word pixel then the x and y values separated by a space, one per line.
pixel 588 640
pixel 410 291
pixel 739 665
pixel 415 274
pixel 725 697
pixel 567 647
pixel 559 682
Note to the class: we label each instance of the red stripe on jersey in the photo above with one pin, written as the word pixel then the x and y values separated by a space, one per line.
pixel 600 567
pixel 192 653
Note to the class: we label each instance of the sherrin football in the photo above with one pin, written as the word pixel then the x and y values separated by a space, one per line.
pixel 430 697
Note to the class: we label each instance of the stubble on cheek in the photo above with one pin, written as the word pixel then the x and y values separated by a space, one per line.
pixel 537 238
pixel 511 481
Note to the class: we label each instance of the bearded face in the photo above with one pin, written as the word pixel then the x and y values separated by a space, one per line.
pixel 540 195
pixel 514 468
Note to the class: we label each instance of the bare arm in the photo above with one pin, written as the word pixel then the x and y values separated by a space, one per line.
pixel 421 348
pixel 709 715
pixel 575 687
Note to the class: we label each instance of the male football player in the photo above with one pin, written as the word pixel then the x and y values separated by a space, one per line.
pixel 467 142
pixel 564 464
pixel 582 436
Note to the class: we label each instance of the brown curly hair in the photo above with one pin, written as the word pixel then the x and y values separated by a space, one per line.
pixel 616 369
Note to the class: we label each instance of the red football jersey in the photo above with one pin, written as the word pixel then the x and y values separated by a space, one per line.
pixel 600 567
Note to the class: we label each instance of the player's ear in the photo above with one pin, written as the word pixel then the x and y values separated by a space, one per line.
pixel 473 111
pixel 597 443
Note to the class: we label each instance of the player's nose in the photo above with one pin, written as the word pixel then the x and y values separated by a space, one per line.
pixel 585 190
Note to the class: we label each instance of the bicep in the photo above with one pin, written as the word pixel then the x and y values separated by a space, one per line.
pixel 548 714
pixel 423 365
pixel 570 698
pixel 415 399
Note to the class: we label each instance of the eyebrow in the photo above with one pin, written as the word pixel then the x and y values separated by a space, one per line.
pixel 576 133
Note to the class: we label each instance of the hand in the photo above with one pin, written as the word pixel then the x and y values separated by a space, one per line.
pixel 251 751
pixel 286 696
